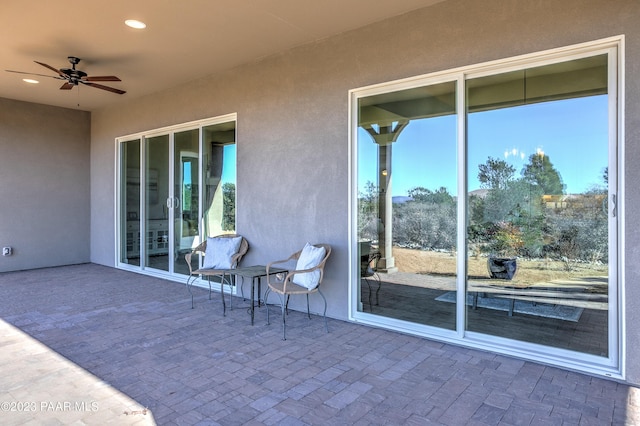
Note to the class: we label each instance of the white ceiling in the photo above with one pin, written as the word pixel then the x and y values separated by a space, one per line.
pixel 184 40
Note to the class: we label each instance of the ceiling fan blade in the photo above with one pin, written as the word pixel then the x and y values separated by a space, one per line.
pixel 66 86
pixel 60 73
pixel 33 73
pixel 102 78
pixel 107 88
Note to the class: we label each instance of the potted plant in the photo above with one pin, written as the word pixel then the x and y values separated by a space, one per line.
pixel 507 241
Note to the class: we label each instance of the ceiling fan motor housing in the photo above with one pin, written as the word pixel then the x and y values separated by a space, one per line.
pixel 73 74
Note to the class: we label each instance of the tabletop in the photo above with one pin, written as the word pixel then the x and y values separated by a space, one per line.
pixel 256 271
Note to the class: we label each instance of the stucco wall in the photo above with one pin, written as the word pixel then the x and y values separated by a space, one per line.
pixel 44 185
pixel 292 147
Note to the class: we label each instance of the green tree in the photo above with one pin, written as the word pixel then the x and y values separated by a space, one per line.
pixel 513 205
pixel 424 195
pixel 420 193
pixel 229 206
pixel 426 222
pixel 425 225
pixel 600 188
pixel 541 173
pixel 368 212
pixel 495 174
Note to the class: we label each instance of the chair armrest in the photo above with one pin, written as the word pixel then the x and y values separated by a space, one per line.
pixel 319 266
pixel 277 262
pixel 294 256
pixel 198 249
pixel 234 260
pixel 369 264
pixel 187 258
pixel 280 262
pixel 289 277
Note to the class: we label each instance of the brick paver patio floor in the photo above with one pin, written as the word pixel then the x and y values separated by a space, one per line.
pixel 93 345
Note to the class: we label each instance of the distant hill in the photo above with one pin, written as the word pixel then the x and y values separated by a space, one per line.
pixel 481 193
pixel 400 199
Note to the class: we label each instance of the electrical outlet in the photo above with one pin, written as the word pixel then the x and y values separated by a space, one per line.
pixel 7 251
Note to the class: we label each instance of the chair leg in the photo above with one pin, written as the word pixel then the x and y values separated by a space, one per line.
pixel 230 293
pixel 284 322
pixel 308 312
pixel 371 292
pixel 369 285
pixel 224 305
pixel 326 324
pixel 242 289
pixel 266 296
pixel 189 284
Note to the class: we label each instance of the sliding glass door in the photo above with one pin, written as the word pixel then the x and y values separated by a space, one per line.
pixel 485 206
pixel 407 186
pixel 177 186
pixel 539 204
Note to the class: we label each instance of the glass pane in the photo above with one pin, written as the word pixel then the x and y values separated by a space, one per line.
pixel 187 198
pixel 538 221
pixel 130 202
pixel 156 208
pixel 407 223
pixel 219 162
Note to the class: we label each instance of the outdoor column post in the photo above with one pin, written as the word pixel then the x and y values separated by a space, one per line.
pixel 385 204
pixel 385 132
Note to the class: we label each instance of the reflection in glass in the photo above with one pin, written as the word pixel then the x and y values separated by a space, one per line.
pixel 156 218
pixel 537 217
pixel 407 184
pixel 130 202
pixel 219 160
pixel 186 194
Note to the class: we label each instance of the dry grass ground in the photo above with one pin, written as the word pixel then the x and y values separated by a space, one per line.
pixel 529 271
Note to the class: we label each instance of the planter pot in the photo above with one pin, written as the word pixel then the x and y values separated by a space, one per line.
pixel 503 268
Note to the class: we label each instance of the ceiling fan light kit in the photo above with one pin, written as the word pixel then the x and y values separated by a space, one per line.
pixel 73 76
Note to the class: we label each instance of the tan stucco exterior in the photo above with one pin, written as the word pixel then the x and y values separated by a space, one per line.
pixel 293 134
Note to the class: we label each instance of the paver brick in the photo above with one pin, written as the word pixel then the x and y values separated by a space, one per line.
pixel 132 342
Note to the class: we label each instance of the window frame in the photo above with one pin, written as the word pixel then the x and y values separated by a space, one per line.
pixel 118 215
pixel 611 366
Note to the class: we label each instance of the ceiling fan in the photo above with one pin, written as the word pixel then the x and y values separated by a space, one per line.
pixel 73 77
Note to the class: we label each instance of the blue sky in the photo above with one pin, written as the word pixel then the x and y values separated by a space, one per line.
pixel 229 164
pixel 573 133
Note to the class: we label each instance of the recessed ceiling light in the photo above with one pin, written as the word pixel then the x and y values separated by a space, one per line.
pixel 134 23
pixel 30 80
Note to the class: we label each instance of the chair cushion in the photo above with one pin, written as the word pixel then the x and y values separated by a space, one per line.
pixel 310 257
pixel 219 252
